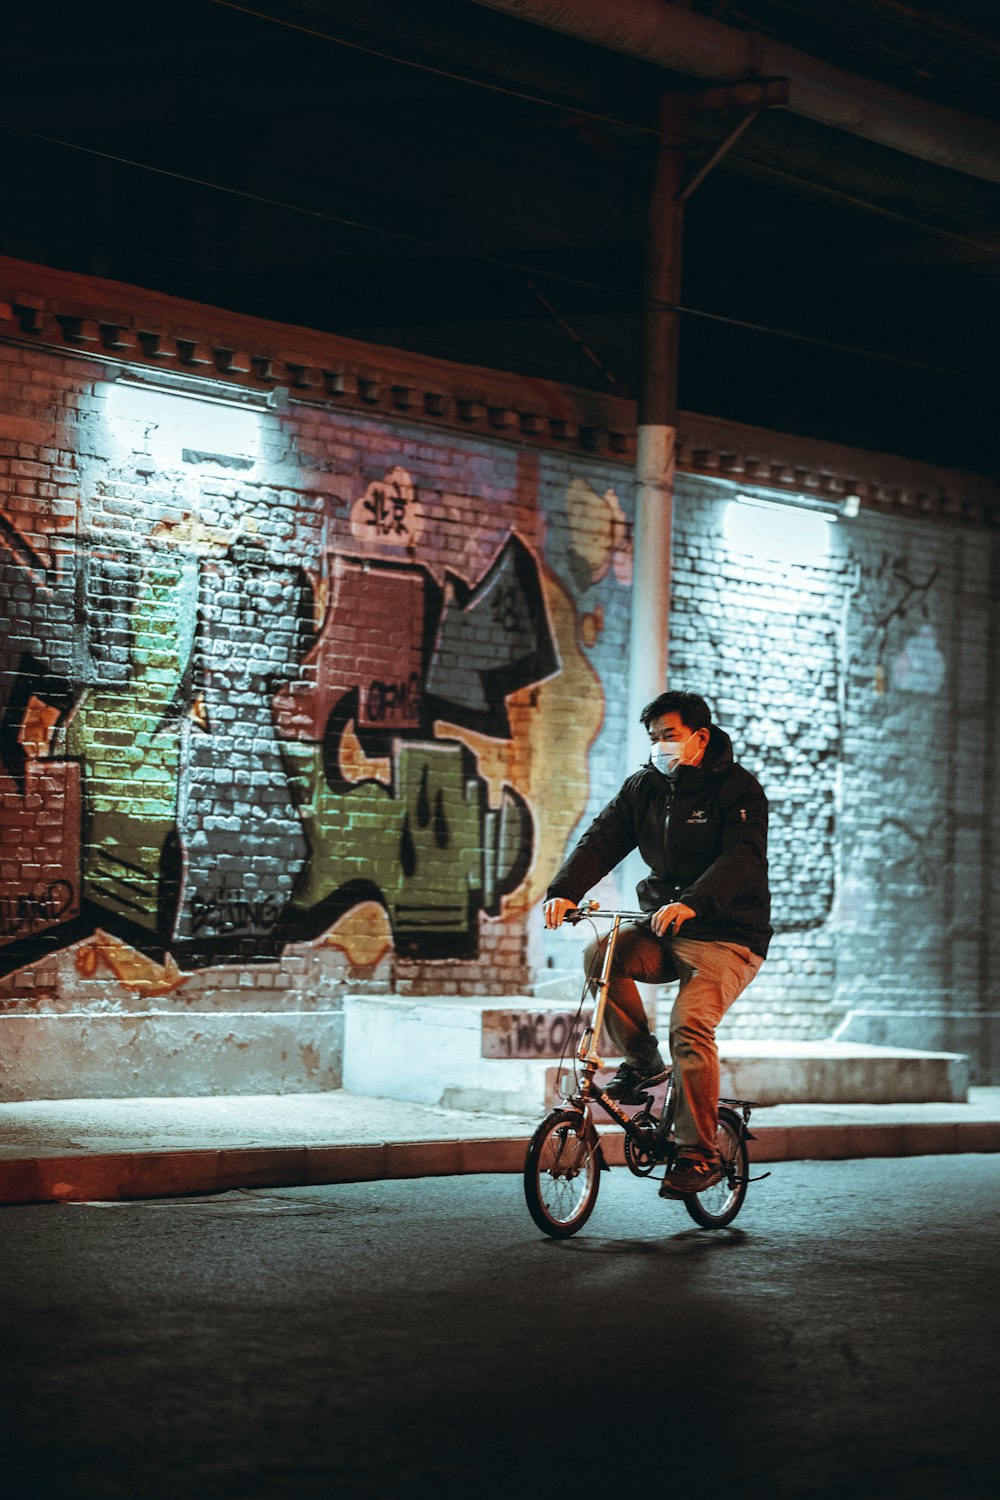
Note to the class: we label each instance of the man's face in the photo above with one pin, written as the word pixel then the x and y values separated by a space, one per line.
pixel 670 729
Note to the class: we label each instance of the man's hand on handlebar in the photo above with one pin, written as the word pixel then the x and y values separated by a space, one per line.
pixel 556 909
pixel 672 916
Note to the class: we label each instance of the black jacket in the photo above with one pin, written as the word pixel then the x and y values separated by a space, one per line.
pixel 704 838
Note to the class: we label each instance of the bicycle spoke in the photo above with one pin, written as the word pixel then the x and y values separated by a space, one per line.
pixel 561 1175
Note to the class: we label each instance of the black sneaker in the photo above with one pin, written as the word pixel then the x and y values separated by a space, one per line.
pixel 628 1083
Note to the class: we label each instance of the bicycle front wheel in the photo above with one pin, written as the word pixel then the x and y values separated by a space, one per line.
pixel 718 1206
pixel 562 1173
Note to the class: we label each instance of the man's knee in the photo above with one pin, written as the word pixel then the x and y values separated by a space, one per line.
pixel 691 1039
pixel 592 956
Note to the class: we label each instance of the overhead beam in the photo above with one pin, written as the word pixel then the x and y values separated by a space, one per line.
pixel 697 45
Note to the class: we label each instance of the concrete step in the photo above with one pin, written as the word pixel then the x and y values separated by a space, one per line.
pixel 449 1051
pixel 144 1054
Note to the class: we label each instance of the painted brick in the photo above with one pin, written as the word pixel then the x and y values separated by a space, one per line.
pixel 333 723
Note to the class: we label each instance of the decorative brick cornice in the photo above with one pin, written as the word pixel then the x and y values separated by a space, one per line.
pixel 760 460
pixel 121 324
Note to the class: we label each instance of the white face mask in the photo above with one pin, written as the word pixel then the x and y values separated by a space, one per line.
pixel 668 756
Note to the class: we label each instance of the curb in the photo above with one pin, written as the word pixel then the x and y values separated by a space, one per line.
pixel 125 1175
pixel 142 1174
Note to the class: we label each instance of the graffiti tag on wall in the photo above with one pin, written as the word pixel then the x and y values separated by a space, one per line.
pixel 180 745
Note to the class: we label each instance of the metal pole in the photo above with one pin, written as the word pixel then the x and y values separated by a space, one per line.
pixel 657 427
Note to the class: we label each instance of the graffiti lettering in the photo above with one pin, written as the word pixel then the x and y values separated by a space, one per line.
pixel 172 860
pixel 513 1033
pixel 506 609
pixel 387 506
pixel 230 913
pixel 28 910
pixel 387 511
pixel 393 700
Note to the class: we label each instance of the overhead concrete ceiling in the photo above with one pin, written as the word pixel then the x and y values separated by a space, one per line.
pixel 458 181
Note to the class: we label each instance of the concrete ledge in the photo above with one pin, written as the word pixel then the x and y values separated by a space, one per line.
pixel 429 1050
pixel 974 1032
pixel 168 1053
pixel 841 1072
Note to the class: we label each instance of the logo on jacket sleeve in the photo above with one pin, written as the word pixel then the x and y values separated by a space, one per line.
pixel 699 816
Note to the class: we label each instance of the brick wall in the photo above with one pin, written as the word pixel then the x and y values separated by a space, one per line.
pixel 306 687
pixel 859 683
pixel 295 701
pixel 761 636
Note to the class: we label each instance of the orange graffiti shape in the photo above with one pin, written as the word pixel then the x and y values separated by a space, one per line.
pixel 355 765
pixel 591 626
pixel 137 972
pixel 37 728
pixel 363 934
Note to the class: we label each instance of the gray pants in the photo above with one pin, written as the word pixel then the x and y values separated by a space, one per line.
pixel 712 976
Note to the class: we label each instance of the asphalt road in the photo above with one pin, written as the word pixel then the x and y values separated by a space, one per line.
pixel 422 1338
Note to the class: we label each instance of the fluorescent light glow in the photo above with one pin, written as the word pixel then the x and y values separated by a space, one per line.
pixel 786 506
pixel 783 533
pixel 166 425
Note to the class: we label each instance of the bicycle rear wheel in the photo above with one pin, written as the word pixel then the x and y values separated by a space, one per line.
pixel 562 1173
pixel 718 1206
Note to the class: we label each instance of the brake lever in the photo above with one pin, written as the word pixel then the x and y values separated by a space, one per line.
pixel 580 912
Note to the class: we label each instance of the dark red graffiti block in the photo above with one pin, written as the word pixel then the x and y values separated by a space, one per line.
pixel 39 848
pixel 372 640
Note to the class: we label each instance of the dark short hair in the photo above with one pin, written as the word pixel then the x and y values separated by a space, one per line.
pixel 694 711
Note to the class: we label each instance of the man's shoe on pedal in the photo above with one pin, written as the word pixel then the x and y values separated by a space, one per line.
pixel 628 1084
pixel 691 1174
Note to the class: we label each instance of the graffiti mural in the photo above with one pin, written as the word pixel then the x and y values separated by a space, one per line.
pixel 40 791
pixel 217 753
pixel 124 731
pixel 239 828
pixel 425 840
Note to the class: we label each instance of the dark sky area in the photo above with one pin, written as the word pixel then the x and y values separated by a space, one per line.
pixel 416 175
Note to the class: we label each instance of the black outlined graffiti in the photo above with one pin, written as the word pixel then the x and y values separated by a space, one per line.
pixel 216 821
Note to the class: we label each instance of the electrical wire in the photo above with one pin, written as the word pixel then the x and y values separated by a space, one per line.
pixel 745 154
pixel 523 271
pixel 437 246
pixel 809 338
pixel 582 112
pixel 577 111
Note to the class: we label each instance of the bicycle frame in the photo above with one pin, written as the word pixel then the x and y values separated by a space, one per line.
pixel 561 1180
pixel 587 1053
pixel 591 1059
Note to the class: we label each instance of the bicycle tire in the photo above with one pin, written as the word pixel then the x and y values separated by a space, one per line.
pixel 718 1205
pixel 561 1174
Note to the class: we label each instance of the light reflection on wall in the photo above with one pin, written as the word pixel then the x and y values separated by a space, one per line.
pixel 175 428
pixel 783 533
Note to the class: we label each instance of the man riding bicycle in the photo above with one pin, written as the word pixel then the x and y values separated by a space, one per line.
pixel 699 820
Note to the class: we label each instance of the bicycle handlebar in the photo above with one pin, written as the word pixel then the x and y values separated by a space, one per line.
pixel 591 909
